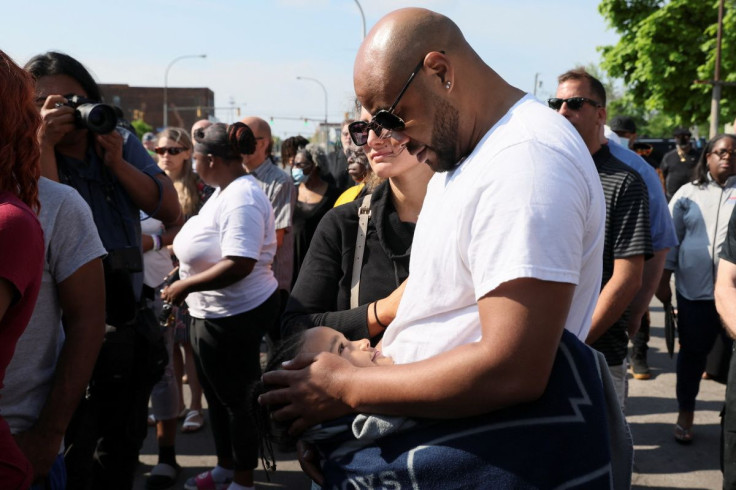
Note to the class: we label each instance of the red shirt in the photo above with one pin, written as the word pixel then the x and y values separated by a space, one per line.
pixel 21 263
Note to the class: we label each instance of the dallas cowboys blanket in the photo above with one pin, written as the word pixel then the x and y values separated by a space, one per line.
pixel 560 441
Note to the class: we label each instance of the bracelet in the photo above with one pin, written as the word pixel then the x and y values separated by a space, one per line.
pixel 156 242
pixel 375 314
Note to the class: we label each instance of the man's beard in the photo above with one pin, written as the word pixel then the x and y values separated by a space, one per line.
pixel 444 138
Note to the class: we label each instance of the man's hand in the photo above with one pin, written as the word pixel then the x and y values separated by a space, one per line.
pixel 313 386
pixel 664 291
pixel 56 121
pixel 41 448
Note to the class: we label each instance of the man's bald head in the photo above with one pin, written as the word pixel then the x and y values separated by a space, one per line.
pixel 399 41
pixel 201 124
pixel 260 128
pixel 454 97
pixel 262 131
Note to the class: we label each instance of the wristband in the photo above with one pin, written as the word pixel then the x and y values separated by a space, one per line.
pixel 156 242
pixel 375 314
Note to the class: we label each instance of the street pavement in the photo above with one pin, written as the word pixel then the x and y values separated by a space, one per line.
pixel 660 462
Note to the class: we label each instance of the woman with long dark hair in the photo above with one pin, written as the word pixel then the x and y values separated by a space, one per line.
pixel 700 211
pixel 225 254
pixel 21 238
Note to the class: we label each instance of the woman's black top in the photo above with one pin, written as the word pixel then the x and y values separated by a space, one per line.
pixel 321 295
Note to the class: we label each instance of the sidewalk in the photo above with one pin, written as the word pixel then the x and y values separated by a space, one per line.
pixel 660 462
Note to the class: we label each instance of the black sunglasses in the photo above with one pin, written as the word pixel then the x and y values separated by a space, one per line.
pixel 160 150
pixel 573 103
pixel 385 118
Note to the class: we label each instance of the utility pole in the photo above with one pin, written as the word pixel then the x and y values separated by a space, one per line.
pixel 715 103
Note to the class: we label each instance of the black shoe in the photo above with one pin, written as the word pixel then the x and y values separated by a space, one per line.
pixel 640 368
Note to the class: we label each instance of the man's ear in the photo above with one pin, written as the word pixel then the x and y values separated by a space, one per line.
pixel 441 68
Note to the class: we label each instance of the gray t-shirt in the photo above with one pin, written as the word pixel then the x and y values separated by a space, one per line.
pixel 71 240
pixel 281 192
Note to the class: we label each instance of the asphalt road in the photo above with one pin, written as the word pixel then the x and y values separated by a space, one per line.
pixel 660 462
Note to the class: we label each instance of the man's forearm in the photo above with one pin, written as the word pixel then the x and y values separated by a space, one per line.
pixel 433 388
pixel 616 295
pixel 650 281
pixel 478 377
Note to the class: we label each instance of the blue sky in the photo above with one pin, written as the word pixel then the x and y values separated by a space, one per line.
pixel 256 49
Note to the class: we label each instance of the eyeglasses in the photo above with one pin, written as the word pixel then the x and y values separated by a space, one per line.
pixel 724 153
pixel 573 103
pixel 160 150
pixel 385 118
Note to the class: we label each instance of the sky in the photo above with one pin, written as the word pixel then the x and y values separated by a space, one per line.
pixel 256 49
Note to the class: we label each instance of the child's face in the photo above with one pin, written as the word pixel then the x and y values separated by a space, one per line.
pixel 358 352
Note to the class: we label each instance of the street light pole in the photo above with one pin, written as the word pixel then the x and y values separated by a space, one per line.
pixel 715 103
pixel 323 89
pixel 166 83
pixel 362 16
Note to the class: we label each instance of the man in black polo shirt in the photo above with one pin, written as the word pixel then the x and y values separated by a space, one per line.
pixel 725 293
pixel 628 240
pixel 677 165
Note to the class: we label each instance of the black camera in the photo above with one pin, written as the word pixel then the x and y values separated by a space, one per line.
pixel 89 114
pixel 164 316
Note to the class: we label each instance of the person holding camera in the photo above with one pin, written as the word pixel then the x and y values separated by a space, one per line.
pixel 83 147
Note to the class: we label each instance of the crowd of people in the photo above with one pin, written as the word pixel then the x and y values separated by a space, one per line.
pixel 487 257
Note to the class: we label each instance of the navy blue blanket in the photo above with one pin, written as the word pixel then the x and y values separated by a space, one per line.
pixel 558 441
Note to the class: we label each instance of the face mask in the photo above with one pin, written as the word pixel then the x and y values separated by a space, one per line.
pixel 624 141
pixel 297 175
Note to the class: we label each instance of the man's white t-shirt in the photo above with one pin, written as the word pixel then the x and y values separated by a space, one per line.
pixel 526 203
pixel 236 222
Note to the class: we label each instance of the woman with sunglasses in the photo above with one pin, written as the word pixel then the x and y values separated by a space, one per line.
pixel 315 197
pixel 700 211
pixel 322 293
pixel 225 255
pixel 193 193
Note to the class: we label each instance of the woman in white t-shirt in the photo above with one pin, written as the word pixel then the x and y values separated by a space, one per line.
pixel 225 255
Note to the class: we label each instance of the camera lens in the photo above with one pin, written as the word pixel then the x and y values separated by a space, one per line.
pixel 98 118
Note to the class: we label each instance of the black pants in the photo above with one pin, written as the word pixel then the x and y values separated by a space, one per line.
pixel 106 433
pixel 698 325
pixel 227 357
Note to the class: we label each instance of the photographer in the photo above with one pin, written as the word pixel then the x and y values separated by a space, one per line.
pixel 112 171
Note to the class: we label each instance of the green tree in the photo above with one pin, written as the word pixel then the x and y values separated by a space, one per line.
pixel 665 46
pixel 141 127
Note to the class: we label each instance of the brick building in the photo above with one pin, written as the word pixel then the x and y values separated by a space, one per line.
pixel 186 105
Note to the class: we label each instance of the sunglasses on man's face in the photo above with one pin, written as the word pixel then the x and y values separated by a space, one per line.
pixel 573 103
pixel 385 118
pixel 160 150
